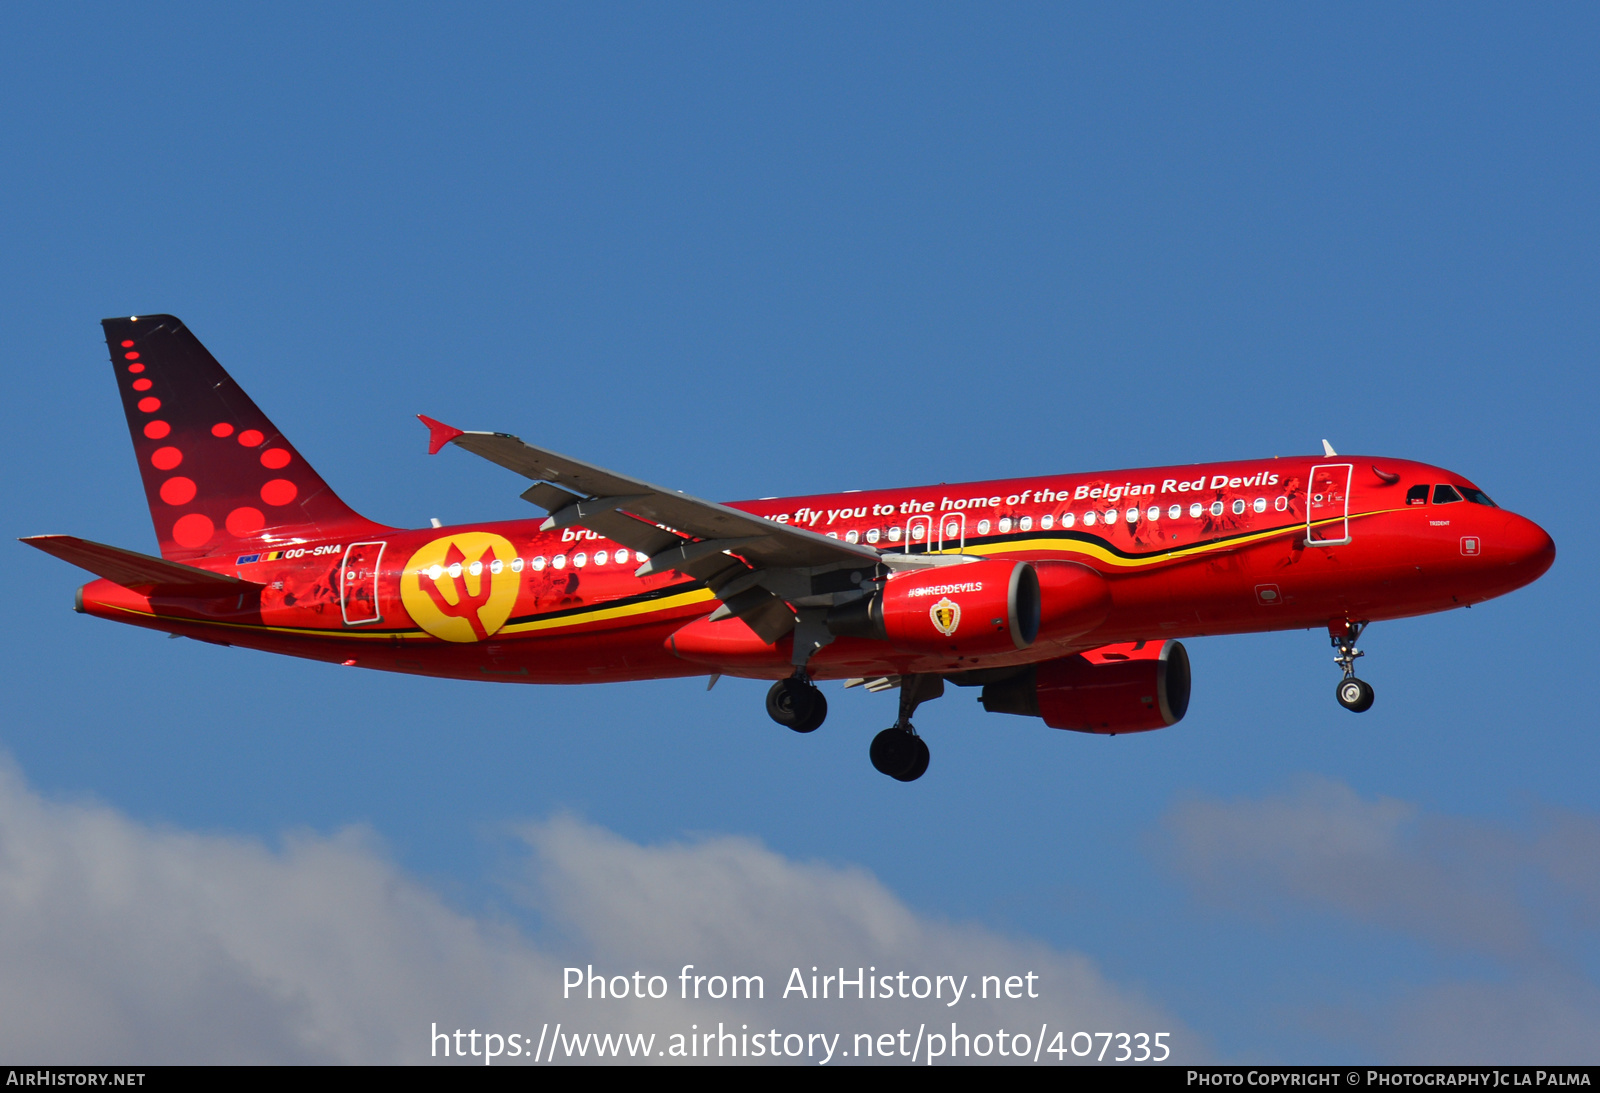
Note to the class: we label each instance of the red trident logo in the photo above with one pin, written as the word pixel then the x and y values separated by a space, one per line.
pixel 452 592
pixel 462 587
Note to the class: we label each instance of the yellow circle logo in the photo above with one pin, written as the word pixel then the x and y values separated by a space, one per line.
pixel 462 587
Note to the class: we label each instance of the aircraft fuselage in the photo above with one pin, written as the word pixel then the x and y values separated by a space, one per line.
pixel 1250 546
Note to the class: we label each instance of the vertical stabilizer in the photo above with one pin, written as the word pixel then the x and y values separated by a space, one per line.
pixel 218 474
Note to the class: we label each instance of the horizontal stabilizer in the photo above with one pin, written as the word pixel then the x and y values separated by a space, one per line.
pixel 139 572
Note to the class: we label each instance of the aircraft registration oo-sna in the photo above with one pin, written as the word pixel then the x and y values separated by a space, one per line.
pixel 1062 597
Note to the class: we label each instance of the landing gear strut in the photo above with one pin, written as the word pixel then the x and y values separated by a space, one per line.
pixel 898 751
pixel 1354 694
pixel 796 703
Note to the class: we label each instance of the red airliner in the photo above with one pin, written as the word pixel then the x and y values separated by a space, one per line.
pixel 1060 596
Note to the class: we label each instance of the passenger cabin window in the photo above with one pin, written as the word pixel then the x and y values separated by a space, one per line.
pixel 1444 495
pixel 1417 495
pixel 1478 497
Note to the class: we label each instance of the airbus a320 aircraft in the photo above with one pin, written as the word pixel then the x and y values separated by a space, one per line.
pixel 1061 596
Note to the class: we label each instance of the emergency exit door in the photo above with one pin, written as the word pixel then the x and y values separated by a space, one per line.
pixel 358 583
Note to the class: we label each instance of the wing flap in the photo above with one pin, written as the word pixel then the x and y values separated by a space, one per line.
pixel 633 534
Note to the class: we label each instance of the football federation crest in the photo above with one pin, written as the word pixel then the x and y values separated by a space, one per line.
pixel 946 615
pixel 462 587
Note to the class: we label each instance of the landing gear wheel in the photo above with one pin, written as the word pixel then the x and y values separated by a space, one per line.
pixel 919 765
pixel 819 713
pixel 797 704
pixel 900 753
pixel 1355 695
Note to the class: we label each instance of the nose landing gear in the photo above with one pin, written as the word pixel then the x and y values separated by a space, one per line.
pixel 898 751
pixel 1354 694
pixel 796 703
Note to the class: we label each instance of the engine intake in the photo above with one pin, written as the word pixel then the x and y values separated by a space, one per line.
pixel 1132 687
pixel 971 610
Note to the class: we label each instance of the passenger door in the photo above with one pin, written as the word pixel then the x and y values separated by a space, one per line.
pixel 1328 505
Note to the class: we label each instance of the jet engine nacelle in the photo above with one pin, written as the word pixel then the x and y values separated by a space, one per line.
pixel 1132 687
pixel 1074 599
pixel 975 609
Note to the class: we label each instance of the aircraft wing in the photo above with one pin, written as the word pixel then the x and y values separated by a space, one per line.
pixel 738 555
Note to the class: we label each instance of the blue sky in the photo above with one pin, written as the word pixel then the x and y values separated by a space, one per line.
pixel 761 250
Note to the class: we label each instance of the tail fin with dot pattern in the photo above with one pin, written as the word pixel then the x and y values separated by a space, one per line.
pixel 219 476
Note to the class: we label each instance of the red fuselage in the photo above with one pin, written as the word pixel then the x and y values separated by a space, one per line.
pixel 1250 546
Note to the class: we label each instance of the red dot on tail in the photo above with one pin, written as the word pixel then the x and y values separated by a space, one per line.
pixel 142 385
pixel 130 356
pixel 128 344
pixel 150 405
pixel 280 491
pixel 164 459
pixel 251 437
pixel 177 491
pixel 136 368
pixel 243 522
pixel 157 429
pixel 222 428
pixel 274 458
pixel 193 530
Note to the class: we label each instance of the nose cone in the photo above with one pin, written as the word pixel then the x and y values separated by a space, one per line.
pixel 1527 549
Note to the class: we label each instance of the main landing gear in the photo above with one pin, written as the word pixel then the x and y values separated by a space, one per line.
pixel 898 751
pixel 1354 694
pixel 797 703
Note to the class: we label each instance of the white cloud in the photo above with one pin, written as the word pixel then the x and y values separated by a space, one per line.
pixel 1526 898
pixel 1535 1019
pixel 129 944
pixel 1377 861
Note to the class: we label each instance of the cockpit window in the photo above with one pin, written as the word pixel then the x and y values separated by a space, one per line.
pixel 1444 494
pixel 1478 497
pixel 1417 495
